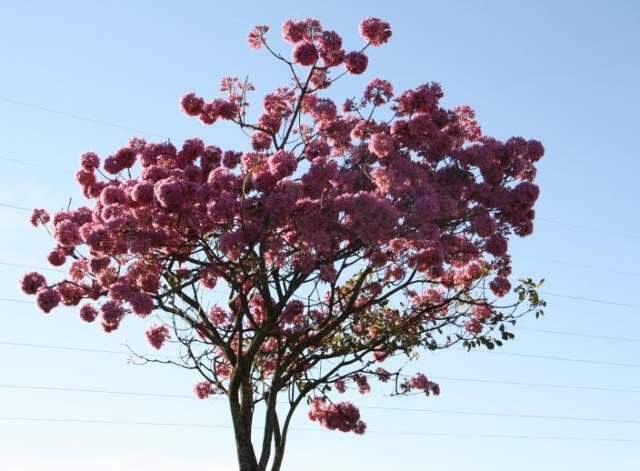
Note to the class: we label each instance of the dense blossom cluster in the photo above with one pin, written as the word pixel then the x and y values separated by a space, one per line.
pixel 342 416
pixel 421 383
pixel 329 199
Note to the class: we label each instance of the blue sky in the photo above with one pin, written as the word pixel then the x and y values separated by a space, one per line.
pixel 562 72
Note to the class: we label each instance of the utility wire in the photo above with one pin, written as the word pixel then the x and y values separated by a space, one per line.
pixel 517 328
pixel 558 358
pixel 373 432
pixel 80 117
pixel 504 414
pixel 535 385
pixel 556 332
pixel 521 355
pixel 12 300
pixel 546 293
pixel 576 334
pixel 383 408
pixel 63 347
pixel 575 227
pixel 583 228
pixel 33 164
pixel 13 206
pixel 590 300
pixel 34 267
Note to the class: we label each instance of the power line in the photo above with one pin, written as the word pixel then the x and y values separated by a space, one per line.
pixel 588 266
pixel 590 300
pixel 373 432
pixel 96 391
pixel 505 414
pixel 34 267
pixel 396 409
pixel 80 117
pixel 545 331
pixel 13 206
pixel 33 164
pixel 521 355
pixel 575 227
pixel 559 358
pixel 62 347
pixel 576 334
pixel 11 300
pixel 535 385
pixel 546 293
pixel 582 228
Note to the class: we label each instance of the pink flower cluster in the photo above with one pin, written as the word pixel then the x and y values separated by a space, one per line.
pixel 421 383
pixel 342 416
pixel 203 389
pixel 157 335
pixel 410 189
pixel 311 43
pixel 375 31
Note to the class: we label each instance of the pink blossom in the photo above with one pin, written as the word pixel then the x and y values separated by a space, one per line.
pixel 483 224
pixel 473 326
pixel 57 258
pixel 420 382
pixel 378 92
pixel 482 312
pixel 375 31
pixel 67 233
pixel 305 53
pixel 112 313
pixel 32 282
pixel 89 161
pixel 88 313
pixel 362 382
pixel 292 311
pixel 218 316
pixel 141 304
pixel 381 144
pixel 400 203
pixel 113 195
pixel 256 36
pixel 356 62
pixel 39 216
pixel 330 41
pixel 342 416
pixel 191 104
pixel 169 193
pixel 260 141
pixel 70 293
pixel 157 335
pixel 383 375
pixel 328 273
pixel 203 389
pixel 293 31
pixel 47 299
pixel 282 163
pixel 142 193
pixel 317 148
pixel 500 286
pixel 496 245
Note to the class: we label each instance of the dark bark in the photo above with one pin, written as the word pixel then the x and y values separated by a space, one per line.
pixel 241 406
pixel 242 430
pixel 271 424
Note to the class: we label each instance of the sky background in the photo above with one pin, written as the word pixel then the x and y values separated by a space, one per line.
pixel 565 73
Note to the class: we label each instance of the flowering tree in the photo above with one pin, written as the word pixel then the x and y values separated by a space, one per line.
pixel 346 238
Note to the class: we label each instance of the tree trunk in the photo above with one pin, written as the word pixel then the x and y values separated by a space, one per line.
pixel 277 462
pixel 241 418
pixel 244 447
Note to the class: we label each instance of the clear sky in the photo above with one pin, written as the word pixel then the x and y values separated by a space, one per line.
pixel 566 73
